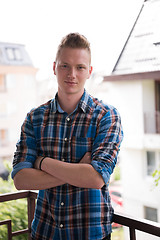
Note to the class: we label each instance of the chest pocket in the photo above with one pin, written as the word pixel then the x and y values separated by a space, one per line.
pixel 79 146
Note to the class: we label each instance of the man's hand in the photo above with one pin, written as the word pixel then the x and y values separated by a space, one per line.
pixel 86 158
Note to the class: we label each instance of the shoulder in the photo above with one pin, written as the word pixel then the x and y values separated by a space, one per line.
pixel 40 112
pixel 99 106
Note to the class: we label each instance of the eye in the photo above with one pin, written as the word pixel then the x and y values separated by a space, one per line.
pixel 64 66
pixel 81 67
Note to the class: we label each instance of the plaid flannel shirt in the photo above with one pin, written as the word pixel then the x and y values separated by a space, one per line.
pixel 67 212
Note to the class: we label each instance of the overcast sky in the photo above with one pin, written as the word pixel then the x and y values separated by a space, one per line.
pixel 40 25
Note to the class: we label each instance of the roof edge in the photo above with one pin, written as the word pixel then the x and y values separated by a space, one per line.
pixel 114 68
pixel 133 76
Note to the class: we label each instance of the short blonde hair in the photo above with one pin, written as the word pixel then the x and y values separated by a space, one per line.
pixel 74 40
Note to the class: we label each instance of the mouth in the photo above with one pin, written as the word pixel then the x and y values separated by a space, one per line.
pixel 70 83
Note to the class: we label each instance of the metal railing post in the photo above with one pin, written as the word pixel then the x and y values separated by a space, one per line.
pixel 132 234
pixel 9 227
pixel 31 208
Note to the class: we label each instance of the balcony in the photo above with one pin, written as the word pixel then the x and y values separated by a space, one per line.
pixel 152 122
pixel 131 223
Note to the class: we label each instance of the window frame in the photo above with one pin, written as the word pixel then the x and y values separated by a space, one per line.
pixel 157 162
pixel 150 218
pixel 3 87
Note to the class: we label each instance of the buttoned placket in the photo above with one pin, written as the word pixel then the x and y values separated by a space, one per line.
pixel 66 138
pixel 62 206
pixel 65 158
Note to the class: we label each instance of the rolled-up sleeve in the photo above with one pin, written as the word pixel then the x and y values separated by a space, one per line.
pixel 25 154
pixel 107 143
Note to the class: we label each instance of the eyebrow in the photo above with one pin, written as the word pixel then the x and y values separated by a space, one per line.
pixel 78 64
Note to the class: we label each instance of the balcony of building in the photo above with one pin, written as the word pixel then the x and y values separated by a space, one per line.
pixel 152 122
pixel 133 224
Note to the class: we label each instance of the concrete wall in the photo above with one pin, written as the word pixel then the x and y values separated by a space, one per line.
pixel 18 98
pixel 132 99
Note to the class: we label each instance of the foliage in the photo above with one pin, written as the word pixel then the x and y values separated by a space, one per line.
pixel 117 234
pixel 156 176
pixel 117 175
pixel 15 210
pixel 7 186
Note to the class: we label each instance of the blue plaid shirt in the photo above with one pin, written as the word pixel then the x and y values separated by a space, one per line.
pixel 67 212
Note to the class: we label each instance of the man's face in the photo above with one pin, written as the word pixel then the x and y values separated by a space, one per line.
pixel 72 70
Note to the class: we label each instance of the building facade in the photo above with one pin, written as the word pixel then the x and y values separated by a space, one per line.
pixel 17 95
pixel 134 88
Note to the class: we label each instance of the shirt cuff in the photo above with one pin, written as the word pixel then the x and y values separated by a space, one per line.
pixel 20 166
pixel 101 168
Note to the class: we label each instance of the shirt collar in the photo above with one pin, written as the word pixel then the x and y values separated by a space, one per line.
pixel 54 106
pixel 59 109
pixel 83 103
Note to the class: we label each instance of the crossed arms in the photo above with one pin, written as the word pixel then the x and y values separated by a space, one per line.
pixel 88 173
pixel 55 173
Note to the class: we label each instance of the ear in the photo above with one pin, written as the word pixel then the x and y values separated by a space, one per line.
pixel 54 68
pixel 90 71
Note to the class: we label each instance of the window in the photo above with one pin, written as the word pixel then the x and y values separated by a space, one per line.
pixel 11 108
pixel 14 54
pixel 151 163
pixel 11 81
pixel 2 83
pixel 3 109
pixel 10 53
pixel 151 214
pixel 3 137
pixel 7 109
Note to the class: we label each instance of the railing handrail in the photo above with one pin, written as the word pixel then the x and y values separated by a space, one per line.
pixel 133 224
pixel 138 224
pixel 31 197
pixel 17 195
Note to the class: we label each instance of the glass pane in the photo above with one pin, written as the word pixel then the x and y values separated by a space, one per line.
pixel 17 54
pixel 151 214
pixel 3 110
pixel 10 53
pixel 151 163
pixel 2 83
pixel 3 137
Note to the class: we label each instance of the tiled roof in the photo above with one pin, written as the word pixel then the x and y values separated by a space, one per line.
pixel 141 52
pixel 14 54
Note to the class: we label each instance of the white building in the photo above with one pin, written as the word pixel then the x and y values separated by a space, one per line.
pixel 134 88
pixel 17 95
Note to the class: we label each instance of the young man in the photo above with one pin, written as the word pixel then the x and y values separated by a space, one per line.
pixel 68 149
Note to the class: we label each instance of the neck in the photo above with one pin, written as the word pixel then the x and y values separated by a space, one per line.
pixel 68 103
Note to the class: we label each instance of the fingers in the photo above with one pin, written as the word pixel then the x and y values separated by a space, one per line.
pixel 86 158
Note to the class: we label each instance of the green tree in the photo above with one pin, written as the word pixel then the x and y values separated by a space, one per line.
pixel 156 176
pixel 15 210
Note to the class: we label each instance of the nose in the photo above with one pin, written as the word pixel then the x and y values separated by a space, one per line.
pixel 72 72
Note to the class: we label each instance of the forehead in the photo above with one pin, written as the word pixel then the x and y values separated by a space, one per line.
pixel 74 55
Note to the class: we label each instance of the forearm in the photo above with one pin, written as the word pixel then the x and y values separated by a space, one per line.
pixel 33 179
pixel 79 175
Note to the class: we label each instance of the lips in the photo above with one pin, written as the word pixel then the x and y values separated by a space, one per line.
pixel 70 83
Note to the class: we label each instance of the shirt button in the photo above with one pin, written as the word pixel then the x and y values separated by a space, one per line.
pixel 61 225
pixel 62 203
pixel 68 119
pixel 65 139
